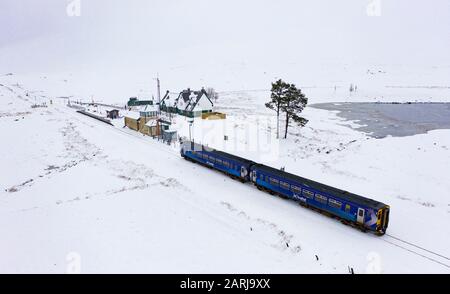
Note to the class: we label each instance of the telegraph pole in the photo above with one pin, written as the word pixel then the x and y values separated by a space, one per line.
pixel 191 131
pixel 158 94
pixel 159 90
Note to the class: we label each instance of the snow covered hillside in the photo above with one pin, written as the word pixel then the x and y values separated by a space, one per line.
pixel 78 195
pixel 126 203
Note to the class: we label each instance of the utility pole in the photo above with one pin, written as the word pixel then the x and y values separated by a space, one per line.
pixel 191 122
pixel 158 84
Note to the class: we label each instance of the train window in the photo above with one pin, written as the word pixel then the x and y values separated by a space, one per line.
pixel 261 177
pixel 284 185
pixel 296 190
pixel 226 163
pixel 321 199
pixel 334 203
pixel 211 159
pixel 219 161
pixel 347 208
pixel 274 182
pixel 308 194
pixel 205 156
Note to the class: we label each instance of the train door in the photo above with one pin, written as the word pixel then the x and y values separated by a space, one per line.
pixel 385 218
pixel 361 215
pixel 243 172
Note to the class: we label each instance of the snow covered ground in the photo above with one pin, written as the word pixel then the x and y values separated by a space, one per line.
pixel 78 195
pixel 77 190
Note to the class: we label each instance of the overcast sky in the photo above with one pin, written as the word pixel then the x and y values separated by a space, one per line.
pixel 174 31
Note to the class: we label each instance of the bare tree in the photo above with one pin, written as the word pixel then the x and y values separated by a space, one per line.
pixel 212 94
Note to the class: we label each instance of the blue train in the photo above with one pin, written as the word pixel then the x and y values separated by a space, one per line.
pixel 363 213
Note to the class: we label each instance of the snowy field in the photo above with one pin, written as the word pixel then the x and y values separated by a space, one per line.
pixel 115 201
pixel 78 195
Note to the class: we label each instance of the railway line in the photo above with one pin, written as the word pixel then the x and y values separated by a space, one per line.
pixel 417 250
pixel 408 246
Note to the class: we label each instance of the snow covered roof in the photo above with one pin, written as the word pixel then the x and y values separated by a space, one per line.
pixel 149 108
pixel 188 100
pixel 144 108
pixel 185 99
pixel 132 114
pixel 169 98
pixel 151 123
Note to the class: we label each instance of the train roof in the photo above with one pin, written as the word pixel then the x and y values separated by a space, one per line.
pixel 234 157
pixel 199 147
pixel 324 188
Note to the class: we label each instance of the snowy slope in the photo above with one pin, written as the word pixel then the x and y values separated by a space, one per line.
pixel 126 203
pixel 115 49
pixel 73 187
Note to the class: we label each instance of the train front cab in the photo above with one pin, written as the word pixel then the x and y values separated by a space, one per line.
pixel 383 220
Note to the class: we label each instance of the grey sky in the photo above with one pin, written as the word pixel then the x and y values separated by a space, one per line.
pixel 251 30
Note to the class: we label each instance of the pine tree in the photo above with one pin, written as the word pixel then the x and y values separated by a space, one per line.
pixel 292 105
pixel 278 96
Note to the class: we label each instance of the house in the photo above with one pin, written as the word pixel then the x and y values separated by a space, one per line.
pixel 112 114
pixel 187 103
pixel 134 101
pixel 149 111
pixel 214 116
pixel 169 103
pixel 151 128
pixel 134 120
pixel 154 127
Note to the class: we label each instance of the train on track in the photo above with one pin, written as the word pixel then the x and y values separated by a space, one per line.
pixel 355 210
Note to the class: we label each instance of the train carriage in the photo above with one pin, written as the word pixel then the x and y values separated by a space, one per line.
pixel 235 166
pixel 361 211
pixel 350 208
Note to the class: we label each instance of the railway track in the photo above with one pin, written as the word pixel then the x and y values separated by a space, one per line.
pixel 395 241
pixel 138 136
pixel 418 250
